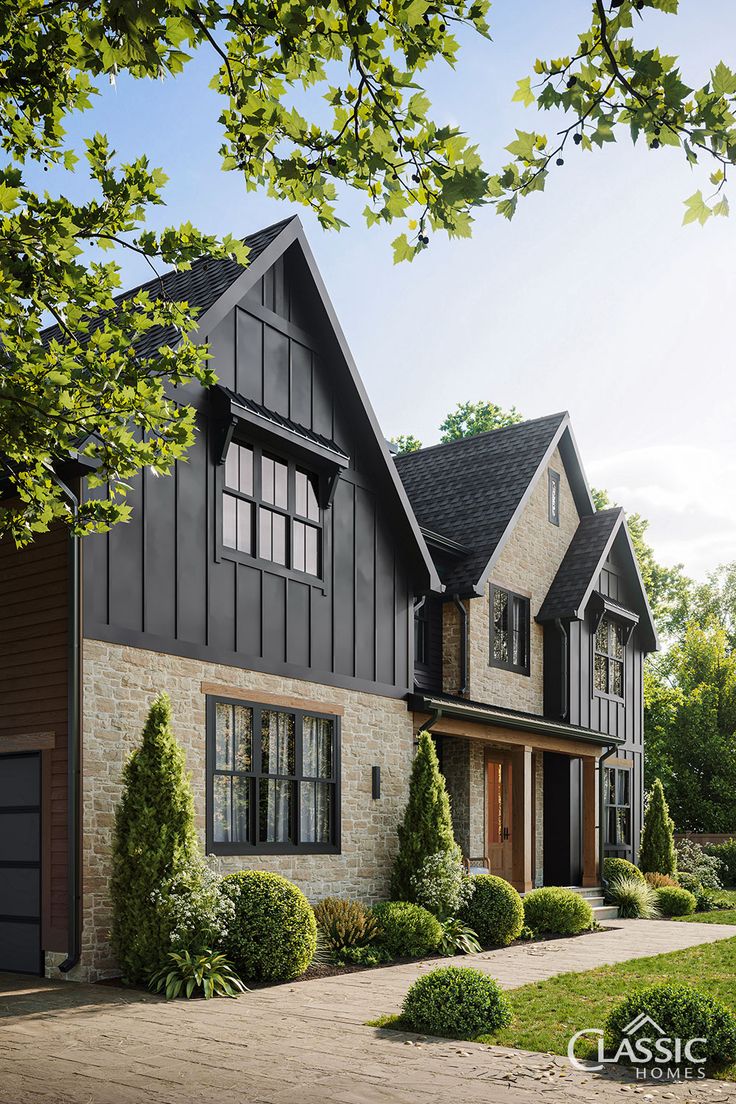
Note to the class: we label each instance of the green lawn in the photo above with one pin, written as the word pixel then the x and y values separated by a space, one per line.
pixel 723 916
pixel 547 1013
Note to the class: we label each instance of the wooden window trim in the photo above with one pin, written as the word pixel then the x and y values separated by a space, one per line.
pixel 282 701
pixel 298 779
pixel 508 665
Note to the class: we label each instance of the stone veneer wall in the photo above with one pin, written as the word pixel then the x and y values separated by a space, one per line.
pixel 456 770
pixel 119 685
pixel 527 565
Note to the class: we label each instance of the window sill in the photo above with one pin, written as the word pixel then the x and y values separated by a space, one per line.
pixel 262 849
pixel 609 697
pixel 234 556
pixel 509 667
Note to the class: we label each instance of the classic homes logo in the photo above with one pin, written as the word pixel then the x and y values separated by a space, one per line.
pixel 644 1045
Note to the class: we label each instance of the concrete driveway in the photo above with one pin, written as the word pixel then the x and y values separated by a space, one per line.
pixel 307 1042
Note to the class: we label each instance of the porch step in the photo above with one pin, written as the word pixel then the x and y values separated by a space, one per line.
pixel 605 912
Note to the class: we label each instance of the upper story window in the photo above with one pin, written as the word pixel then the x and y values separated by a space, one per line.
pixel 272 779
pixel 608 675
pixel 617 792
pixel 553 496
pixel 421 635
pixel 509 630
pixel 270 509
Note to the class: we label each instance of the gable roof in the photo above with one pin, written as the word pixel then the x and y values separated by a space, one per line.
pixel 216 286
pixel 200 286
pixel 474 490
pixel 577 576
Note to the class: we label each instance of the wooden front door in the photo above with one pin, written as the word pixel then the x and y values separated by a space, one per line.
pixel 498 804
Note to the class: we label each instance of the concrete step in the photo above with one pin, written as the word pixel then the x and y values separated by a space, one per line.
pixel 605 912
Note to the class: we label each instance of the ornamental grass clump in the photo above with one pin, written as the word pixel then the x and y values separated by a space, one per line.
pixel 154 845
pixel 456 1002
pixel 557 911
pixel 680 1012
pixel 634 898
pixel 659 880
pixel 345 924
pixel 495 911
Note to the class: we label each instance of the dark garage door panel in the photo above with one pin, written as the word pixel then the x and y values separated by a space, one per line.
pixel 20 863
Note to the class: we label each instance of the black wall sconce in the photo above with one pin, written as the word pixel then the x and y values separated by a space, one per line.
pixel 376 782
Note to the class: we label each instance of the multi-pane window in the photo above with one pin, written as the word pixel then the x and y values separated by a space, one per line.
pixel 270 509
pixel 609 658
pixel 617 790
pixel 273 779
pixel 553 496
pixel 509 630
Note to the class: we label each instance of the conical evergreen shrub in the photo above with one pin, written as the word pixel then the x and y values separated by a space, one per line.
pixel 154 840
pixel 657 853
pixel 427 826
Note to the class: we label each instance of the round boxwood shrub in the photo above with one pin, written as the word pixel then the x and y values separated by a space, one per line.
pixel 620 868
pixel 494 912
pixel 682 1013
pixel 673 901
pixel 273 934
pixel 407 930
pixel 557 911
pixel 457 1002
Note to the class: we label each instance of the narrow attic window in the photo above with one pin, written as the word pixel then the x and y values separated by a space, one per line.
pixel 609 658
pixel 553 496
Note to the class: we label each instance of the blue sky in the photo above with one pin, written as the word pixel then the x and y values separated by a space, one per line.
pixel 593 299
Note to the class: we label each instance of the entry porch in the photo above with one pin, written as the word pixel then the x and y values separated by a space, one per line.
pixel 523 791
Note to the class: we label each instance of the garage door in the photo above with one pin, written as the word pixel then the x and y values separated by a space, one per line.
pixel 20 863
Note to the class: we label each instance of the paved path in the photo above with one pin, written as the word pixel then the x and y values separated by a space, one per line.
pixel 304 1043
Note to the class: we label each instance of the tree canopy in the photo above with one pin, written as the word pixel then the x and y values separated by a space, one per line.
pixel 314 96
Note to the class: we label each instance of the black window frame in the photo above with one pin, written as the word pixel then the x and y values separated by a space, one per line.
pixel 297 847
pixel 553 496
pixel 610 657
pixel 421 636
pixel 619 844
pixel 525 603
pixel 289 512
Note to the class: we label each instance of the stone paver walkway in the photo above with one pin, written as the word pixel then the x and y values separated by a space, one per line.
pixel 62 1043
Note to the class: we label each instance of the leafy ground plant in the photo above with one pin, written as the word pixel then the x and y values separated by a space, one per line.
pixel 207 974
pixel 458 938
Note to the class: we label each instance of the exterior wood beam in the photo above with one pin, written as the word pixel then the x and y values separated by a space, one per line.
pixel 522 825
pixel 590 851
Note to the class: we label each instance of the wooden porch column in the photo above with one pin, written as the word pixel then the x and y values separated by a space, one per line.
pixel 522 828
pixel 590 850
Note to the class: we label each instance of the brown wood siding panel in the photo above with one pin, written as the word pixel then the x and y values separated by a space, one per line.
pixel 34 692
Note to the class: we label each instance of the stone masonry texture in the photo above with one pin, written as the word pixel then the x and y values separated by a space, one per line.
pixel 119 685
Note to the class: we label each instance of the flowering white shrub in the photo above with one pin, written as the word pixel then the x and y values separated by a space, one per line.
pixel 194 908
pixel 441 885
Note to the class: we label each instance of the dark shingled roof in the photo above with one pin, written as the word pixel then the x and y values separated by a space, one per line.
pixel 200 286
pixel 468 490
pixel 580 564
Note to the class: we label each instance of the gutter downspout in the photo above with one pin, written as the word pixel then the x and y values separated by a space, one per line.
pixel 430 722
pixel 73 746
pixel 601 795
pixel 564 705
pixel 463 689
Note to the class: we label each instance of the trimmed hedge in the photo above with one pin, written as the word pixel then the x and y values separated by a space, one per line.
pixel 557 911
pixel 620 868
pixel 456 1002
pixel 274 934
pixel 406 930
pixel 673 901
pixel 495 911
pixel 682 1013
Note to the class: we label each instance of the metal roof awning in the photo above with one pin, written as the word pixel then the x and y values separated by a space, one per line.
pixel 449 706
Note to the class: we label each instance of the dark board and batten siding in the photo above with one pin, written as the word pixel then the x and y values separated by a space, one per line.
pixel 161 582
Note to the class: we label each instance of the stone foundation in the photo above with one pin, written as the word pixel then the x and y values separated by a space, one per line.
pixel 119 686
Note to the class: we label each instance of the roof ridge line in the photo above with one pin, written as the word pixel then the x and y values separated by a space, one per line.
pixel 485 433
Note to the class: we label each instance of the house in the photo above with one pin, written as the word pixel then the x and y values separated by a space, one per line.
pixel 309 602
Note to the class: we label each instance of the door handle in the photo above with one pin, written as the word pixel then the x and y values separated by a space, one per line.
pixel 505 833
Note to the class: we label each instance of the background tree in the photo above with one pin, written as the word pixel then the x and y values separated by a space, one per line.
pixel 657 853
pixel 406 443
pixel 427 825
pixel 153 842
pixel 469 418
